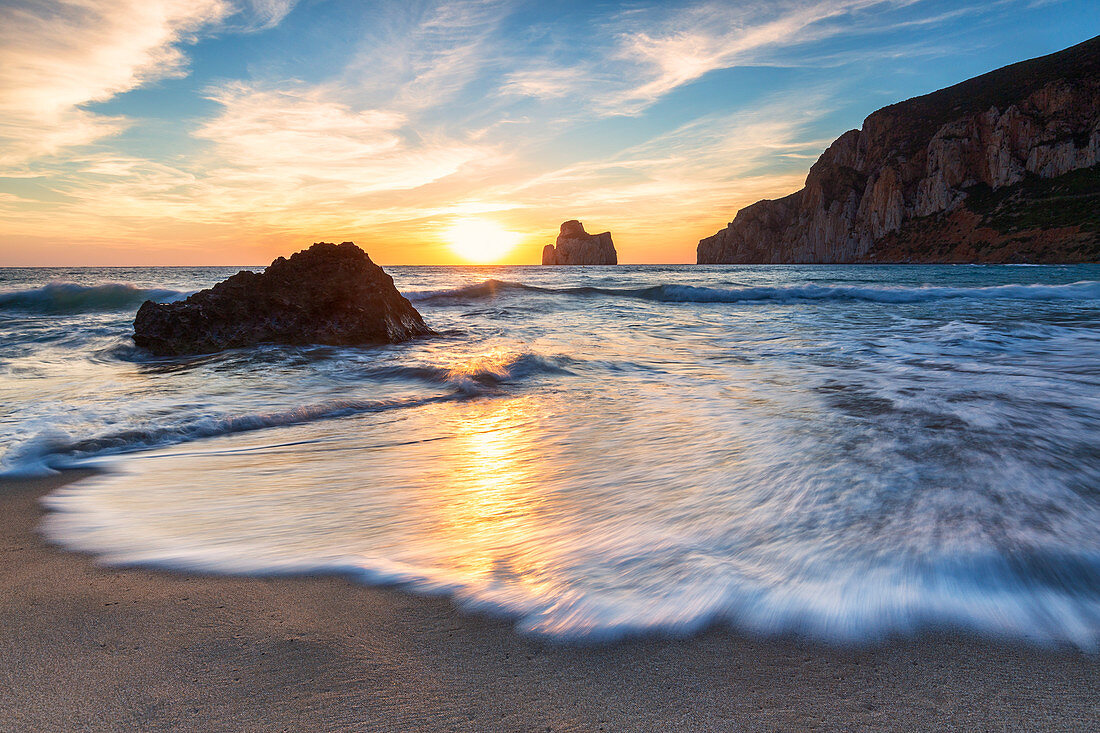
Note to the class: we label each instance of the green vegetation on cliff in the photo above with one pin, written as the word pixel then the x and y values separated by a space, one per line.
pixel 1069 200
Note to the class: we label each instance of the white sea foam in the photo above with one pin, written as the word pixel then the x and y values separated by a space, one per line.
pixel 54 449
pixel 593 456
pixel 675 293
pixel 49 447
pixel 512 516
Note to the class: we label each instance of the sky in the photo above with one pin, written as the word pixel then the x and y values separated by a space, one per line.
pixel 229 132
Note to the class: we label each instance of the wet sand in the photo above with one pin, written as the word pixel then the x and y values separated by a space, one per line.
pixel 84 647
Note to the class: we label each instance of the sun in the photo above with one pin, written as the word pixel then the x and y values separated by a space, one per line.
pixel 478 240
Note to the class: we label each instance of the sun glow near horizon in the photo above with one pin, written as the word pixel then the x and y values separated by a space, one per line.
pixel 216 132
pixel 480 240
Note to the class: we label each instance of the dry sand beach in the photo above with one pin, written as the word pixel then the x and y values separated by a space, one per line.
pixel 91 648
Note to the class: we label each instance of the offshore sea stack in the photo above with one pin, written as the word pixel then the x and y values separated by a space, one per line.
pixel 575 246
pixel 1000 168
pixel 328 294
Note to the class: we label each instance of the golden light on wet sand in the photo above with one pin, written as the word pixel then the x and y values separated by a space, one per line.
pixel 480 240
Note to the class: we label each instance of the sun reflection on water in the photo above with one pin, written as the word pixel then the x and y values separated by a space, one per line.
pixel 488 504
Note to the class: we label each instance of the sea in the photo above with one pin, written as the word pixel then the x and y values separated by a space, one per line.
pixel 844 453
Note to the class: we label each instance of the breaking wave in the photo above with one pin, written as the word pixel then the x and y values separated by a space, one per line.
pixel 671 293
pixel 64 297
pixel 592 470
pixel 486 371
pixel 55 448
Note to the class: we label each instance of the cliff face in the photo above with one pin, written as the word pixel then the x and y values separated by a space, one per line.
pixel 909 177
pixel 575 246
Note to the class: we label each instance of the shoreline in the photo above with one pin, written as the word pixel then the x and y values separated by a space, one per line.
pixel 98 648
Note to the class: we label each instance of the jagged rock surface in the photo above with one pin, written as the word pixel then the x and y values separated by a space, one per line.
pixel 328 294
pixel 575 246
pixel 923 158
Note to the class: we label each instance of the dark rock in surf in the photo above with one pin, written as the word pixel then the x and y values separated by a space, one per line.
pixel 328 294
pixel 575 246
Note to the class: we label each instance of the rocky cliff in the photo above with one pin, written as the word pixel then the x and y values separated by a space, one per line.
pixel 575 246
pixel 328 294
pixel 999 168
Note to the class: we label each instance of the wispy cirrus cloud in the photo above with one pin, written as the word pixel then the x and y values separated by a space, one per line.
pixel 713 164
pixel 276 159
pixel 261 14
pixel 421 56
pixel 57 57
pixel 714 36
pixel 385 120
pixel 653 50
pixel 547 82
pixel 286 154
pixel 305 147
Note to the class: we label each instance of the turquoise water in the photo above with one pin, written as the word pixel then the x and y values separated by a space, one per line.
pixel 843 452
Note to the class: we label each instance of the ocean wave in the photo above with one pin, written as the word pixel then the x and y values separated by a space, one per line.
pixel 66 297
pixel 52 450
pixel 487 289
pixel 673 293
pixel 932 467
pixel 487 371
pixel 489 374
pixel 1043 596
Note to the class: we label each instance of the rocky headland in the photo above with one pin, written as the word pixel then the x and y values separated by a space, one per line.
pixel 575 246
pixel 328 294
pixel 1004 167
